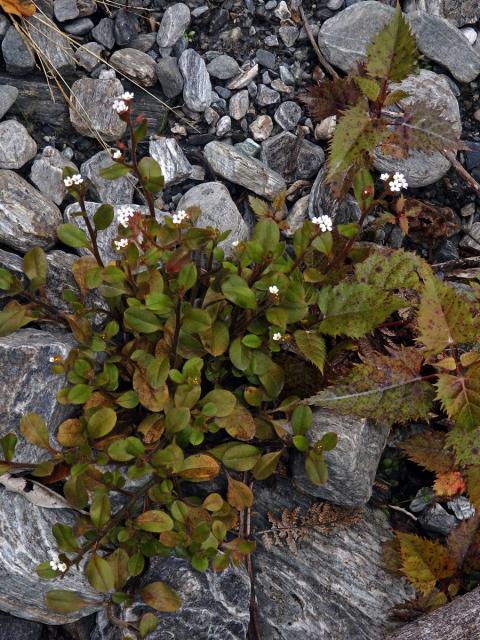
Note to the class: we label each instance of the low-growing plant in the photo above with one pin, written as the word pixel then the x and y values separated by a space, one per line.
pixel 183 377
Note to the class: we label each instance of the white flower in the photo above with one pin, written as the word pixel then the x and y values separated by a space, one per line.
pixel 124 213
pixel 324 222
pixel 277 337
pixel 394 186
pixel 179 217
pixel 62 567
pixel 116 154
pixel 384 176
pixel 274 290
pixel 235 243
pixel 67 181
pixel 120 244
pixel 119 106
pixel 127 96
pixel 54 564
pixel 398 182
pixel 77 179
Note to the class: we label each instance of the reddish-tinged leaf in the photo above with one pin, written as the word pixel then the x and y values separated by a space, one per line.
pixel 448 484
pixel 161 597
pixel 424 562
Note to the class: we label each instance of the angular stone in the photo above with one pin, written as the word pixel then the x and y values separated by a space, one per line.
pixel 125 27
pixel 27 218
pixel 278 150
pixel 224 126
pixel 47 174
pixel 218 210
pixel 18 58
pixel 266 96
pixel 296 216
pixel 440 41
pixel 334 587
pixel 288 34
pixel 79 27
pixel 173 163
pixel 65 10
pixel 197 88
pixel 144 41
pixel 135 64
pixel 244 78
pixel 27 541
pixel 169 76
pixel 223 67
pixel 351 465
pixel 472 241
pixel 11 627
pixel 288 115
pixel 174 22
pixel 322 202
pixel 214 605
pixel 28 385
pixel 118 191
pixel 419 168
pixel 17 146
pixel 54 46
pixel 239 104
pixel 261 128
pixel 103 33
pixel 91 109
pixel 436 520
pixel 461 12
pixel 8 95
pixel 88 56
pixel 242 169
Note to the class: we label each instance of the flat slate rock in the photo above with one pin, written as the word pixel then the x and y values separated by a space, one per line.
pixel 8 95
pixel 174 22
pixel 197 88
pixel 47 174
pixel 17 147
pixel 135 64
pixel 173 162
pixel 54 46
pixel 18 58
pixel 280 154
pixel 12 628
pixel 215 606
pixel 118 191
pixel 91 108
pixel 27 217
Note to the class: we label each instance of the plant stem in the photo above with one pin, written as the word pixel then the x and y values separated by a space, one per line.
pixel 178 311
pixel 133 151
pixel 315 46
pixel 91 232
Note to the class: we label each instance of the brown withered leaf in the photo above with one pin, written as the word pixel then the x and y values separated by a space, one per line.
pixel 331 97
pixel 428 222
pixel 20 8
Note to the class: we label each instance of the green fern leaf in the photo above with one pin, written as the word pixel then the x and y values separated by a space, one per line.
pixel 312 346
pixel 392 269
pixel 460 396
pixel 354 309
pixel 393 52
pixel 387 388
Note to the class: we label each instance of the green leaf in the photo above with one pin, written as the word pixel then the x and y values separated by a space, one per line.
pixel 301 419
pixel 393 53
pixel 368 87
pixel 363 188
pixel 236 290
pixel 35 266
pixel 154 521
pixel 187 276
pixel 101 509
pixel 301 443
pixel 392 270
pixel 151 174
pixel 312 346
pixel 157 371
pixel 13 317
pixel 177 419
pixel 99 574
pixel 62 601
pixel 114 171
pixel 141 320
pixel 161 597
pixel 241 457
pixel 148 623
pixel 79 394
pixel 223 400
pixel 8 442
pixel 199 468
pixel 101 422
pixel 72 236
pixel 328 441
pixel 195 320
pixel 316 468
pixel 136 564
pixel 460 396
pixel 267 234
pixel 34 429
pixel 66 541
pixel 6 279
pixel 103 217
pixel 266 465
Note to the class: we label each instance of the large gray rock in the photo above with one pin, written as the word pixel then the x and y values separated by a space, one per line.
pixel 197 88
pixel 278 153
pixel 169 76
pixel 239 168
pixel 174 22
pixel 11 627
pixel 17 146
pixel 353 463
pixel 173 163
pixel 91 110
pixel 27 541
pixel 28 385
pixel 458 12
pixel 218 211
pixel 440 41
pixel 53 45
pixel 8 95
pixel 118 191
pixel 27 218
pixel 419 168
pixel 334 587
pixel 19 60
pixel 215 606
pixel 223 67
pixel 135 64
pixel 47 174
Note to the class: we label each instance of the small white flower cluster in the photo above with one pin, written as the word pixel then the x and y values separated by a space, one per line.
pixel 75 179
pixel 116 154
pixel 274 290
pixel 277 337
pixel 120 104
pixel 124 213
pixel 235 243
pixel 324 222
pixel 120 244
pixel 179 217
pixel 397 183
pixel 56 565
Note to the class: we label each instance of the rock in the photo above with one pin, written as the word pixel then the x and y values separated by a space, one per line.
pixel 169 76
pixel 197 88
pixel 88 56
pixel 174 22
pixel 103 33
pixel 47 174
pixel 288 34
pixel 54 46
pixel 218 210
pixel 27 218
pixel 443 43
pixel 267 96
pixel 8 95
pixel 322 202
pixel 277 153
pixel 173 163
pixel 4 24
pixel 470 34
pixel 135 64
pixel 353 463
pixel 27 540
pixel 423 498
pixel 79 27
pixel 29 385
pixel 239 104
pixel 18 58
pixel 462 508
pixel 288 115
pixel 144 41
pixel 471 241
pixel 17 147
pixel 282 11
pixel 224 126
pixel 223 67
pixel 325 129
pixel 334 586
pixel 125 27
pixel 244 78
pixel 11 627
pixel 261 128
pixel 434 518
pixel 297 216
pixel 266 58
pixel 118 191
pixel 65 10
pixel 419 168
pixel 91 108
pixel 344 38
pixel 239 168
pixel 214 605
pixel 249 147
pixel 458 12
pixel 286 75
